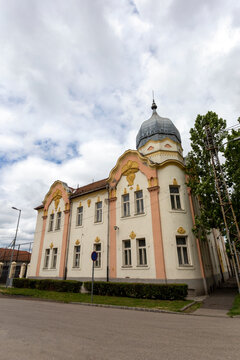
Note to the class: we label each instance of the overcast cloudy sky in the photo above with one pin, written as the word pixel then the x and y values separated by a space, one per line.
pixel 76 81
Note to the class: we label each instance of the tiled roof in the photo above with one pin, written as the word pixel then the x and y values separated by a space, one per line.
pixel 97 185
pixel 39 207
pixel 23 256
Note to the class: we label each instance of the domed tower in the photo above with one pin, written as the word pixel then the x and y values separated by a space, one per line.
pixel 159 139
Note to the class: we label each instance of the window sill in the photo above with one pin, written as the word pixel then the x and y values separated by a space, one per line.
pixel 78 226
pixel 98 222
pixel 140 214
pixel 179 211
pixel 126 267
pixel 185 267
pixel 50 269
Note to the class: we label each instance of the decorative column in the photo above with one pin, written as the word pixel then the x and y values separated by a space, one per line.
pixel 157 231
pixel 12 270
pixel 41 242
pixel 22 271
pixel 28 269
pixel 112 233
pixel 64 240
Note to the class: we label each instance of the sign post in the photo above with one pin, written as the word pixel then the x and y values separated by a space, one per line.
pixel 94 257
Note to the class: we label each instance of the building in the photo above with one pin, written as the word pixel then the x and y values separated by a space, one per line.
pixel 139 220
pixel 20 261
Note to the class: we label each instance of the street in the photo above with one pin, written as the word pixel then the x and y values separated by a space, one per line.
pixel 39 330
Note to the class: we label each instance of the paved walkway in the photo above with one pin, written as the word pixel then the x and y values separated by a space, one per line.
pixel 220 301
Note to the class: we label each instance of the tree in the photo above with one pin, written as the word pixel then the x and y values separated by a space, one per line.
pixel 201 178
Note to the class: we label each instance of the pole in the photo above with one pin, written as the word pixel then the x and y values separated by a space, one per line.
pixel 92 281
pixel 9 281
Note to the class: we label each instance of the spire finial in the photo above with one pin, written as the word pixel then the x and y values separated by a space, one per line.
pixel 154 106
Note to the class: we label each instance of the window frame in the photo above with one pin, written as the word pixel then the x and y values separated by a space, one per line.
pixel 76 255
pixel 79 216
pixel 46 258
pixel 127 253
pixel 125 205
pixel 98 218
pixel 183 252
pixel 98 262
pixel 141 253
pixel 139 202
pixel 175 198
pixel 51 222
pixel 58 221
pixel 54 258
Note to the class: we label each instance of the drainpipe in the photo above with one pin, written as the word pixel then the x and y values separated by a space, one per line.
pixel 68 240
pixel 108 236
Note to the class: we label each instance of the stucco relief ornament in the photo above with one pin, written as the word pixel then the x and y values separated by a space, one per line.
pixel 97 239
pixel 129 170
pixel 77 242
pixel 51 246
pixel 132 235
pixel 181 230
pixel 56 197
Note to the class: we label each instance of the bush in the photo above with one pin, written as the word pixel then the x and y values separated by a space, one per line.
pixel 49 284
pixel 139 290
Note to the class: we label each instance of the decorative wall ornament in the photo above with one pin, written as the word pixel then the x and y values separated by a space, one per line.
pixel 129 170
pixel 52 211
pixel 45 212
pixel 97 239
pixel 137 188
pixel 167 146
pixel 59 209
pixel 98 199
pixel 175 182
pixel 51 245
pixel 77 242
pixel 56 197
pixel 132 235
pixel 112 193
pixel 153 182
pixel 150 148
pixel 125 191
pixel 181 230
pixel 80 204
pixel 89 202
pixel 67 207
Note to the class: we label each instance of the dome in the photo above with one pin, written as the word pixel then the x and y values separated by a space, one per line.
pixel 156 128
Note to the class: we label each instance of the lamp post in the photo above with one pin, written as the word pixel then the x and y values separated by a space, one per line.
pixel 9 280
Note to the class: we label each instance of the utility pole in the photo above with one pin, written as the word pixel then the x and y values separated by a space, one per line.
pixel 229 217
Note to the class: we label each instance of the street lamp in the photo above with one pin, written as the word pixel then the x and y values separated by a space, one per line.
pixel 9 281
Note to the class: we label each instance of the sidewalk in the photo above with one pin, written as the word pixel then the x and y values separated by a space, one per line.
pixel 220 301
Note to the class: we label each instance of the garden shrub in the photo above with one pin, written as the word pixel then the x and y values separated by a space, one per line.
pixel 139 290
pixel 49 284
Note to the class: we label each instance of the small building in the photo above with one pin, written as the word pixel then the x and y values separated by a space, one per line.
pixel 139 220
pixel 20 257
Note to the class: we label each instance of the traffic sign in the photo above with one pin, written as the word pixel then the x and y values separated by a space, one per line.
pixel 94 256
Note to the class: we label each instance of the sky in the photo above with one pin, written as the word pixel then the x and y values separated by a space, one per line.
pixel 76 81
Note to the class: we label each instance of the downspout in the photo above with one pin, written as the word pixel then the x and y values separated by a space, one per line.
pixel 108 236
pixel 68 240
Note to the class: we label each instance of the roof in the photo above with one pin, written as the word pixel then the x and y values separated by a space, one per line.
pixel 97 185
pixel 157 128
pixel 18 255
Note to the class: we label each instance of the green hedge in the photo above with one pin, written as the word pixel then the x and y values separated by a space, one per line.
pixel 49 284
pixel 139 290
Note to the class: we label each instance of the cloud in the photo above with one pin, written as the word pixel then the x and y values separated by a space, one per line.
pixel 76 81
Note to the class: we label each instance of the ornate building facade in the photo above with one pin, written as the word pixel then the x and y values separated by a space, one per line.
pixel 139 220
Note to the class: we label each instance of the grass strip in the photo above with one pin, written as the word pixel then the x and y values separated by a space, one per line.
pixel 235 310
pixel 175 305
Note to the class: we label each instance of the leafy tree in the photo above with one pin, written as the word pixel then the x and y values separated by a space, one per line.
pixel 201 178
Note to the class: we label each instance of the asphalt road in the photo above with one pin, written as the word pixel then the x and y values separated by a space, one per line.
pixel 46 330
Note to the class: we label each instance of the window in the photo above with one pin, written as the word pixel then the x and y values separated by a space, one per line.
pixel 98 212
pixel 51 222
pixel 126 205
pixel 76 256
pixel 79 216
pixel 97 248
pixel 142 252
pixel 58 221
pixel 175 197
pixel 182 250
pixel 127 257
pixel 46 260
pixel 54 258
pixel 139 202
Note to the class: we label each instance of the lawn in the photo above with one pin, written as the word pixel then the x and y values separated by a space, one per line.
pixel 175 305
pixel 235 310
